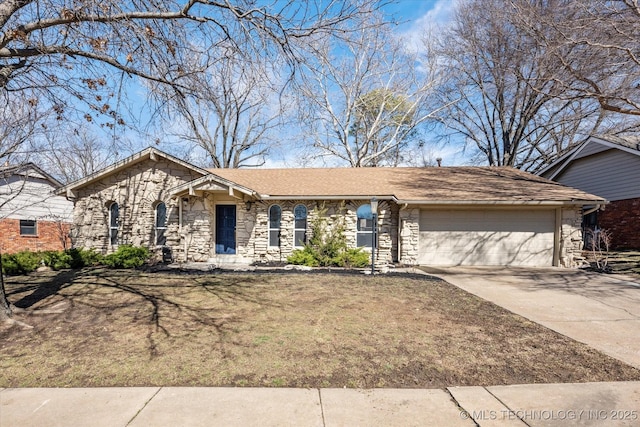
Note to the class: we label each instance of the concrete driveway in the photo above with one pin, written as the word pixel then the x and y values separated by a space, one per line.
pixel 600 310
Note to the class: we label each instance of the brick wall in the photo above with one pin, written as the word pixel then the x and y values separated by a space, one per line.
pixel 50 236
pixel 622 219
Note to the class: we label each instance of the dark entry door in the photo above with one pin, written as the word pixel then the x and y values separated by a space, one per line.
pixel 225 229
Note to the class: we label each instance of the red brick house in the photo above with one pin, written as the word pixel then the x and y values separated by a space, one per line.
pixel 609 167
pixel 32 217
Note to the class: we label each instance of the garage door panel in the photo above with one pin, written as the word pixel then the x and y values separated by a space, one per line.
pixel 487 237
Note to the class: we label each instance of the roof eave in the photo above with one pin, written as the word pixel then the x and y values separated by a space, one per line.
pixel 326 197
pixel 503 202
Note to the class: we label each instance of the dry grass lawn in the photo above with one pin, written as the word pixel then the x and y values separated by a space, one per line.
pixel 100 327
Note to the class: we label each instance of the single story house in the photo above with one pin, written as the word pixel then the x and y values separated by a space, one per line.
pixel 608 166
pixel 433 215
pixel 32 216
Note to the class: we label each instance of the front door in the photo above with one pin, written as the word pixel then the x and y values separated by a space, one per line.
pixel 225 229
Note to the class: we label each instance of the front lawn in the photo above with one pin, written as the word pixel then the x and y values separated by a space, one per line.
pixel 99 327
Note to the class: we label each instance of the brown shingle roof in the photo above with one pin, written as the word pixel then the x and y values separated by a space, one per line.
pixel 430 184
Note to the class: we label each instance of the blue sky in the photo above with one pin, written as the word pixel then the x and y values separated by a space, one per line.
pixel 414 16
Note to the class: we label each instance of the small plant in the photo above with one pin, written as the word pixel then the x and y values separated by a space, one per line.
pixel 598 243
pixel 127 256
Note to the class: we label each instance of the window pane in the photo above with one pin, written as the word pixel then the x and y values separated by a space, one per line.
pixel 113 215
pixel 161 239
pixel 365 224
pixel 300 212
pixel 113 236
pixel 161 215
pixel 301 223
pixel 28 227
pixel 274 216
pixel 364 239
pixel 301 237
pixel 274 237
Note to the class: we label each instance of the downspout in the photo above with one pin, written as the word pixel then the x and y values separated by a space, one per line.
pixel 592 210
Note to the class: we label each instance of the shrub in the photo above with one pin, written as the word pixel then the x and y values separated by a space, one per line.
pixel 21 262
pixel 354 258
pixel 327 245
pixel 26 261
pixel 84 257
pixel 57 260
pixel 127 256
pixel 303 257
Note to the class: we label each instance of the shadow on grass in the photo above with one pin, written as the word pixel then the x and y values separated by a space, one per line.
pixel 166 304
pixel 43 289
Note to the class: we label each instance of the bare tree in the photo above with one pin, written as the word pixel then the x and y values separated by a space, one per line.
pixel 594 43
pixel 82 56
pixel 504 93
pixel 364 98
pixel 232 116
pixel 73 153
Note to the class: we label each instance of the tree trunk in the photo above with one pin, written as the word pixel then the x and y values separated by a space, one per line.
pixel 5 307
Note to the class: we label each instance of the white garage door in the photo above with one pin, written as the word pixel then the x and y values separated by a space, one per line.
pixel 491 237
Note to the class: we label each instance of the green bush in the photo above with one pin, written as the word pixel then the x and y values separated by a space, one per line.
pixel 26 262
pixel 127 256
pixel 84 257
pixel 21 262
pixel 303 257
pixel 354 258
pixel 327 245
pixel 57 260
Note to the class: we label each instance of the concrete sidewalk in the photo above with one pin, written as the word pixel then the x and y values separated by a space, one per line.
pixel 606 404
pixel 600 310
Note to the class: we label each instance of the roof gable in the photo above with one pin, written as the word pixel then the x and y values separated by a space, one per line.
pixel 29 170
pixel 631 146
pixel 146 154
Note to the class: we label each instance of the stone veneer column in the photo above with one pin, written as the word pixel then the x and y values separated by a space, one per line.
pixel 409 235
pixel 571 238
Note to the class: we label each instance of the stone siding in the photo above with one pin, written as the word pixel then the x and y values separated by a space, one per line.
pixel 571 238
pixel 259 250
pixel 137 190
pixel 622 219
pixel 409 235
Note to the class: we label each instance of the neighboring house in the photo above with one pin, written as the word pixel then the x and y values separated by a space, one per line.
pixel 609 167
pixel 434 216
pixel 32 216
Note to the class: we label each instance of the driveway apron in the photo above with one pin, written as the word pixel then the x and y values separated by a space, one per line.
pixel 600 310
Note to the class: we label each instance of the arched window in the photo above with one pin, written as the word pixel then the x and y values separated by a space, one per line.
pixel 161 224
pixel 364 235
pixel 114 219
pixel 275 215
pixel 300 226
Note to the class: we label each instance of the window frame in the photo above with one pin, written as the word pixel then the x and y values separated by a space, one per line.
pixel 367 218
pixel 25 227
pixel 160 231
pixel 274 229
pixel 114 225
pixel 297 229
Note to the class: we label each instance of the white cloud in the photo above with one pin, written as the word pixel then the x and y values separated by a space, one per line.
pixel 434 20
